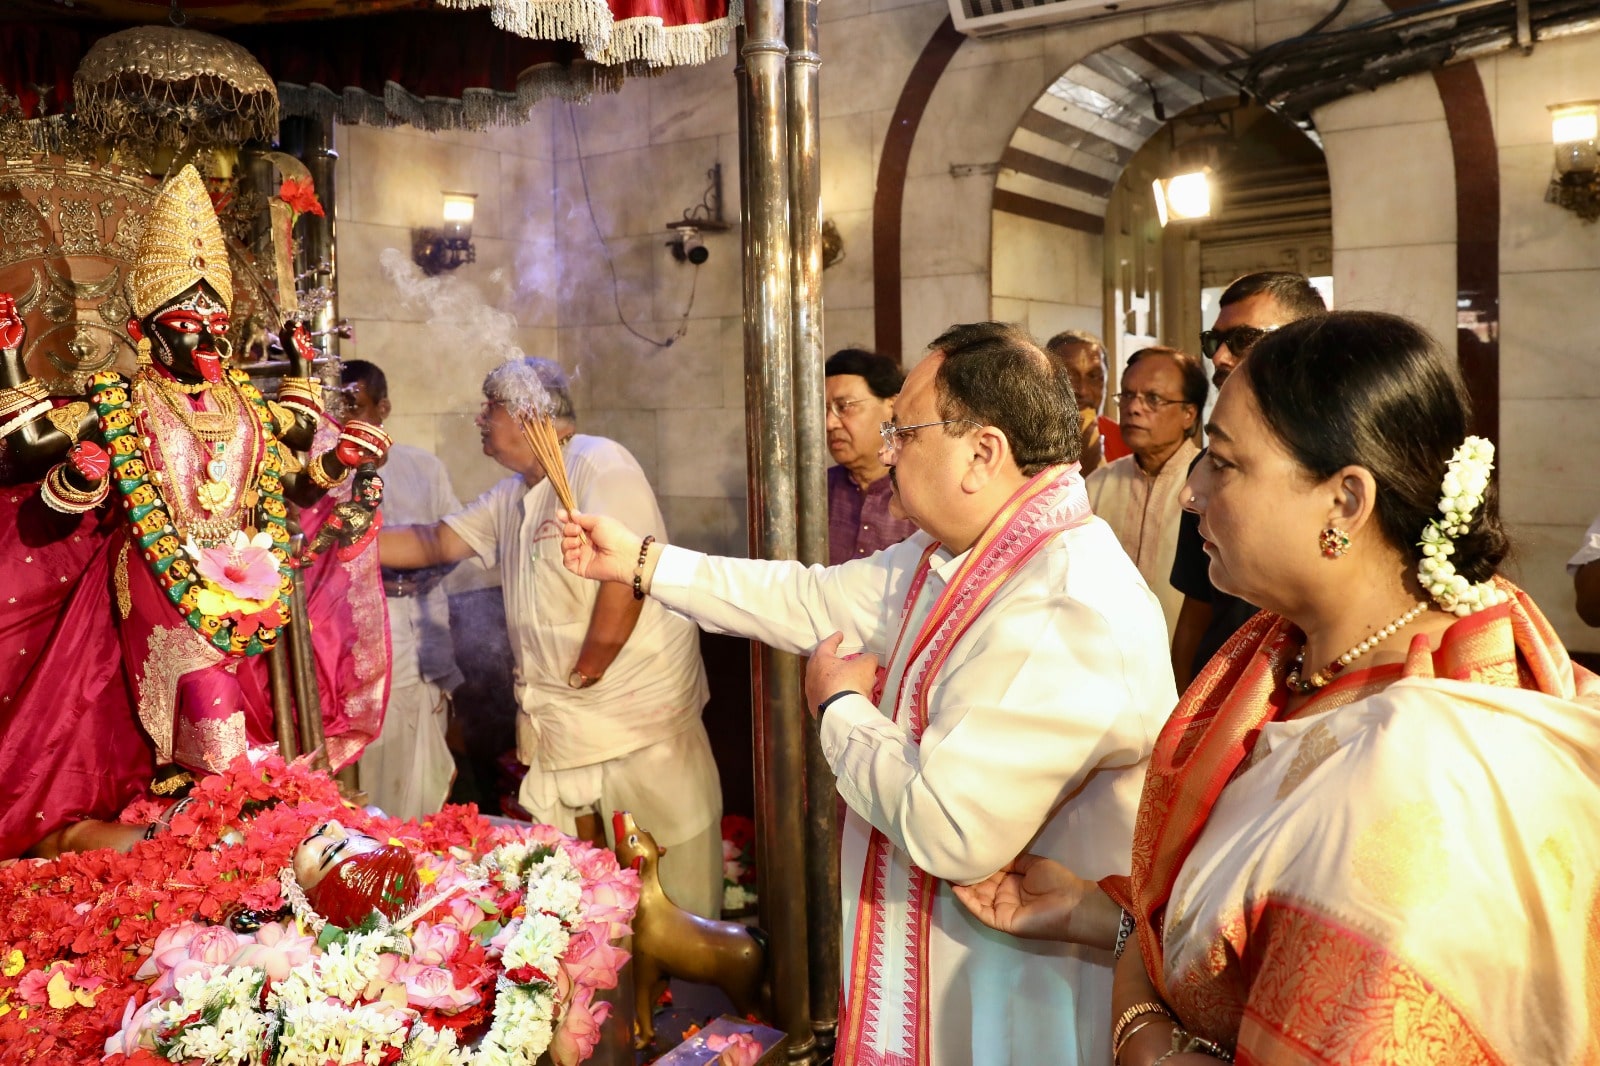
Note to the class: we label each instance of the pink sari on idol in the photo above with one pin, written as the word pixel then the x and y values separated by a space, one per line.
pixel 1408 871
pixel 101 678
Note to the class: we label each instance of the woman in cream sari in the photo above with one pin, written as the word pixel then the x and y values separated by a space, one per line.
pixel 1370 832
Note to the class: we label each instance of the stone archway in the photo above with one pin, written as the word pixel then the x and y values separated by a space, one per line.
pixel 1075 244
pixel 1067 152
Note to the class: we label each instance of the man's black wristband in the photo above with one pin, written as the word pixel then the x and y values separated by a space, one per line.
pixel 825 704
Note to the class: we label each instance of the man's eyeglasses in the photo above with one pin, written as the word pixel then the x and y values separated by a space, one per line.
pixel 840 408
pixel 892 433
pixel 1239 339
pixel 1153 400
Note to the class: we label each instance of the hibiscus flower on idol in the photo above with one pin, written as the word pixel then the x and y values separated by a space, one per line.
pixel 301 196
pixel 243 579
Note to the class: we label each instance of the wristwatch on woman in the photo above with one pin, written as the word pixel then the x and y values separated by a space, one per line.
pixel 579 679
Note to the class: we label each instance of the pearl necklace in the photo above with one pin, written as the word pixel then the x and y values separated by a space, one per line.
pixel 1306 686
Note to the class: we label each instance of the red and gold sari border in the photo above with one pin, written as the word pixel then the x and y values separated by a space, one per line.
pixel 1326 993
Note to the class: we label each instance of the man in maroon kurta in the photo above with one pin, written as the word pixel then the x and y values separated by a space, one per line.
pixel 861 388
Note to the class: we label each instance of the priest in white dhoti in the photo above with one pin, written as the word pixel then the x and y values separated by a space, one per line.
pixel 609 689
pixel 1026 677
pixel 407 770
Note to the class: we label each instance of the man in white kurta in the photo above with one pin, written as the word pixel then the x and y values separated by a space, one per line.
pixel 1143 510
pixel 633 740
pixel 1141 495
pixel 1039 720
pixel 408 768
pixel 609 700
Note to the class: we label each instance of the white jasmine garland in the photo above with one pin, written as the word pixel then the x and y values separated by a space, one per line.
pixel 1462 490
pixel 558 889
pixel 524 1021
pixel 236 1033
pixel 317 1033
pixel 539 942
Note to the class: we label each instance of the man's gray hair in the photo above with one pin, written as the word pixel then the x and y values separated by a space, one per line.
pixel 1076 336
pixel 529 384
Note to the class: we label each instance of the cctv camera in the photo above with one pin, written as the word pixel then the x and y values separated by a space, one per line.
pixel 688 246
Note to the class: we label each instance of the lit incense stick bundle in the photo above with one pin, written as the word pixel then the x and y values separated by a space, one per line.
pixel 522 387
pixel 541 434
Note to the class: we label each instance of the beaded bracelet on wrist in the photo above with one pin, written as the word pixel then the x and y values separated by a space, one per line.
pixel 638 569
pixel 1184 1042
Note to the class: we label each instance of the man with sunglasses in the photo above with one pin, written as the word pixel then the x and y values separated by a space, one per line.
pixel 1025 678
pixel 1251 307
pixel 861 389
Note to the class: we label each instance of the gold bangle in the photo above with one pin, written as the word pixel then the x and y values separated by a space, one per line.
pixel 1127 1036
pixel 60 496
pixel 1127 1016
pixel 21 396
pixel 304 395
pixel 311 387
pixel 319 475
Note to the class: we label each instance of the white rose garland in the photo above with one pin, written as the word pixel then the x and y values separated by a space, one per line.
pixel 1466 482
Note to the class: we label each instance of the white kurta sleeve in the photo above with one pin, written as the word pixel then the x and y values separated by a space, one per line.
pixel 1016 725
pixel 444 496
pixel 1588 551
pixel 478 524
pixel 784 604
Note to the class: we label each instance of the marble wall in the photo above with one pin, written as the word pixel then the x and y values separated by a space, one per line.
pixel 644 153
pixel 626 165
pixel 1549 356
pixel 436 338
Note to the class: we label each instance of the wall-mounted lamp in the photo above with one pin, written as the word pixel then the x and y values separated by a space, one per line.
pixel 1201 144
pixel 1575 129
pixel 438 250
pixel 704 217
pixel 1183 197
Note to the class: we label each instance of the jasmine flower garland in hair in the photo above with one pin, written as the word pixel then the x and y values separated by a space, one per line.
pixel 1466 482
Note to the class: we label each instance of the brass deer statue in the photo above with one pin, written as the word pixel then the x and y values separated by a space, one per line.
pixel 669 941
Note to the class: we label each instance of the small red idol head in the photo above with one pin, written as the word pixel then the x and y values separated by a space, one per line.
pixel 347 875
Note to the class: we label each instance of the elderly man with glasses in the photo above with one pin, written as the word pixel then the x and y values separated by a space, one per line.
pixel 1251 307
pixel 861 389
pixel 609 688
pixel 1140 495
pixel 1025 678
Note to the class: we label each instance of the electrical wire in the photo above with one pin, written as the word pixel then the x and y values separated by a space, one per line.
pixel 616 291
